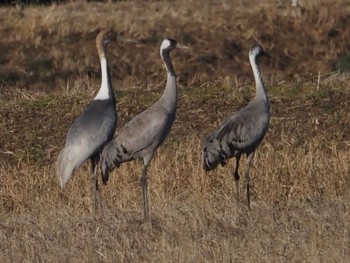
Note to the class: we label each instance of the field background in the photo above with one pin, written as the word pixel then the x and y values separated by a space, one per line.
pixel 49 71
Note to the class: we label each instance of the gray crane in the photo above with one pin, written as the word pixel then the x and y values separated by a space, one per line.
pixel 243 131
pixel 140 137
pixel 94 127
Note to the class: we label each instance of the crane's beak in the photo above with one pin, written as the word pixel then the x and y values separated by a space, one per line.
pixel 128 40
pixel 182 46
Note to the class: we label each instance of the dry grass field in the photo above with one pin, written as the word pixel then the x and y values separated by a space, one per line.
pixel 49 71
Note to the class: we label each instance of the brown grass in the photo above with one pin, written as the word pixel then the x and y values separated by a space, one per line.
pixel 300 179
pixel 299 212
pixel 45 46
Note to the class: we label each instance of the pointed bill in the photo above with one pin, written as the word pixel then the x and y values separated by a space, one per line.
pixel 182 46
pixel 128 40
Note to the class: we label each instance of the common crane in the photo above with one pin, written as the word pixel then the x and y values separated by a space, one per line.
pixel 243 131
pixel 140 137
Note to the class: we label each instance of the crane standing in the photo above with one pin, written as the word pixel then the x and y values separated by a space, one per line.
pixel 243 131
pixel 140 137
pixel 94 127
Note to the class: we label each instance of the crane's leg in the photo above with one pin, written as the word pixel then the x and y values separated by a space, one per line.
pixel 246 175
pixel 94 161
pixel 236 178
pixel 144 185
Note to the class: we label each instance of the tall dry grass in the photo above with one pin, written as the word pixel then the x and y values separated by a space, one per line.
pixel 299 212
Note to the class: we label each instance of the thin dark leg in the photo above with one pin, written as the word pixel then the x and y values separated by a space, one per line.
pixel 144 185
pixel 236 178
pixel 246 175
pixel 94 162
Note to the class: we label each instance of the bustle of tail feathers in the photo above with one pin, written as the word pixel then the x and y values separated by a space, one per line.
pixel 213 154
pixel 110 158
pixel 64 169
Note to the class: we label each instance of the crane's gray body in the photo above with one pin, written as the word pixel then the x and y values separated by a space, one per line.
pixel 242 132
pixel 139 138
pixel 94 127
pixel 87 135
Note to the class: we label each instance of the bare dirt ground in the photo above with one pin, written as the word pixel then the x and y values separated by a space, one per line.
pixel 49 71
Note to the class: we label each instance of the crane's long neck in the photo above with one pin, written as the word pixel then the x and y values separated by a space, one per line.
pixel 169 96
pixel 260 88
pixel 106 90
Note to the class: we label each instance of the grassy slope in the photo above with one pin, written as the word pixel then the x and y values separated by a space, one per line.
pixel 300 179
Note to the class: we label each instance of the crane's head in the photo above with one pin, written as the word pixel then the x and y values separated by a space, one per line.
pixel 169 44
pixel 107 36
pixel 258 51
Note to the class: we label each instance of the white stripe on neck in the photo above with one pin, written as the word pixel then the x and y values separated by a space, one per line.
pixel 103 93
pixel 260 89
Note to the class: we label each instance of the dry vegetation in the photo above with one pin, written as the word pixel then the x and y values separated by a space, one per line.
pixel 49 71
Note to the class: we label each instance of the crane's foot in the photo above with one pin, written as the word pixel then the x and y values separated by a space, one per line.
pixel 97 203
pixel 97 199
pixel 145 201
